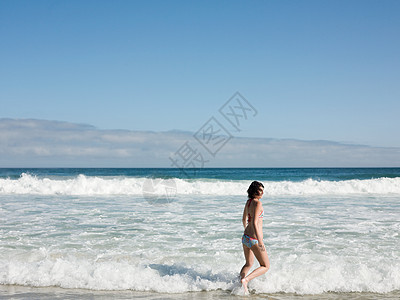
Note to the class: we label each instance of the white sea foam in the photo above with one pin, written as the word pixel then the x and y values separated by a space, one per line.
pixel 304 274
pixel 73 271
pixel 339 244
pixel 90 185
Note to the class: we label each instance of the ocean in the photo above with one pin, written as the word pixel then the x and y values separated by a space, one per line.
pixel 330 233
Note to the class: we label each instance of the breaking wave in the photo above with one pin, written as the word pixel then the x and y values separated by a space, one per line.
pixel 93 185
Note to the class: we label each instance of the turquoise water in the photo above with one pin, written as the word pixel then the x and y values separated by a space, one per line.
pixel 155 230
pixel 270 174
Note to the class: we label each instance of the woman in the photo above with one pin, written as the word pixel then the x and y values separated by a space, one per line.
pixel 252 239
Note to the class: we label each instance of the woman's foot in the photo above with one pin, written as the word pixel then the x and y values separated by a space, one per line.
pixel 244 285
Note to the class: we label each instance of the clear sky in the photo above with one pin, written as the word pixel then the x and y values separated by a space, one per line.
pixel 314 70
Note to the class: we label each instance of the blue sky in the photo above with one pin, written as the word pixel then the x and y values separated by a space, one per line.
pixel 314 70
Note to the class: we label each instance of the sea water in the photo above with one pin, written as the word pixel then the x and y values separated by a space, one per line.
pixel 164 232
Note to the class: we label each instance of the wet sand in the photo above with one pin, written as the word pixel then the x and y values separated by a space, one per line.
pixel 25 292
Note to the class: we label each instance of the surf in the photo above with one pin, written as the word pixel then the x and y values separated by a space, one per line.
pixel 120 185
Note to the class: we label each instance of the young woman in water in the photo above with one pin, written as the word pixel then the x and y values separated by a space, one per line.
pixel 252 239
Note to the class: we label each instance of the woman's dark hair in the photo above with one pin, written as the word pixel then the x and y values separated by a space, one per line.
pixel 254 189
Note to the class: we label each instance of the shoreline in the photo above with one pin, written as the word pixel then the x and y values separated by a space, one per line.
pixel 28 292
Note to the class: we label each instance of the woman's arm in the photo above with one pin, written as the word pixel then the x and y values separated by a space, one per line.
pixel 257 230
pixel 244 217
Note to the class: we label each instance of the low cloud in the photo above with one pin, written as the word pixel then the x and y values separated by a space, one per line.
pixel 41 143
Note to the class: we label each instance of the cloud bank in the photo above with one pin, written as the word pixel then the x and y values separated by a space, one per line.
pixel 42 143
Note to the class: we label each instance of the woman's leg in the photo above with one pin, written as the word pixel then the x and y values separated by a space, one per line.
pixel 248 254
pixel 262 257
